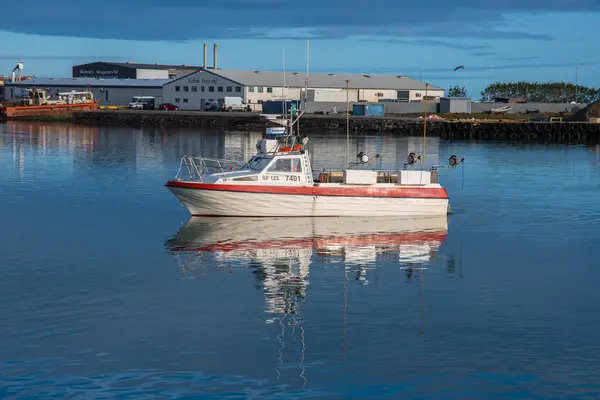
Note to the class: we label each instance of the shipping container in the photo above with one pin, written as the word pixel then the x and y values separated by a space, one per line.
pixel 276 106
pixel 459 105
pixel 368 110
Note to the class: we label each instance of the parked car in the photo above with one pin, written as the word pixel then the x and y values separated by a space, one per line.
pixel 168 106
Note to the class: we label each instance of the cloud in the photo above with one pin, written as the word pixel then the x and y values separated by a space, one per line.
pixel 427 42
pixel 56 57
pixel 482 54
pixel 523 58
pixel 180 20
pixel 447 71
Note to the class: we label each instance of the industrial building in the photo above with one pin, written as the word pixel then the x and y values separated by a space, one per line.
pixel 132 70
pixel 111 91
pixel 191 92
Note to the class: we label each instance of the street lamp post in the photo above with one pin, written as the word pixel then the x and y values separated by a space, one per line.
pixel 577 84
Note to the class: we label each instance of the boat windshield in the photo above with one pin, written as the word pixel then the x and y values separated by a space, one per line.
pixel 258 163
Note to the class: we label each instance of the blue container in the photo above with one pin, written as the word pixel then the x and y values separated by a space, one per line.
pixel 368 110
pixel 276 106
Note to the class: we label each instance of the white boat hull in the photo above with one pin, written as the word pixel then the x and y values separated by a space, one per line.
pixel 202 202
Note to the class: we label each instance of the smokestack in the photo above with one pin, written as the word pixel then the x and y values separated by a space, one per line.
pixel 204 59
pixel 215 56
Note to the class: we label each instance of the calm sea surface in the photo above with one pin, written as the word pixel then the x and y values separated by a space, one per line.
pixel 108 291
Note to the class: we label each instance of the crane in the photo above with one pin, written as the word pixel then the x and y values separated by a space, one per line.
pixel 16 72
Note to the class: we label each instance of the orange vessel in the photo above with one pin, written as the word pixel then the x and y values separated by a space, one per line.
pixel 39 104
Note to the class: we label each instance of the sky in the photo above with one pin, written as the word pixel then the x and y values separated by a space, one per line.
pixel 503 41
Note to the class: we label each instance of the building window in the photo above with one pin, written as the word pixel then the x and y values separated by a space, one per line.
pixel 185 100
pixel 251 89
pixel 269 90
pixel 194 88
pixel 211 88
pixel 202 88
pixel 238 89
pixel 186 89
pixel 177 88
pixel 261 89
pixel 219 88
pixel 176 100
pixel 229 89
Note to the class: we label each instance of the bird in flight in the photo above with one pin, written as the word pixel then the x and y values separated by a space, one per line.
pixel 459 67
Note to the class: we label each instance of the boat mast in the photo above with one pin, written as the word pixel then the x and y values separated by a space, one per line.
pixel 425 128
pixel 305 84
pixel 283 96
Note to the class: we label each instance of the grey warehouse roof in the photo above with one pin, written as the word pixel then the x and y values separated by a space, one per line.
pixel 297 79
pixel 143 65
pixel 109 82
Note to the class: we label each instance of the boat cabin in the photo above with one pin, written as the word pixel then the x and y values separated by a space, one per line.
pixel 285 168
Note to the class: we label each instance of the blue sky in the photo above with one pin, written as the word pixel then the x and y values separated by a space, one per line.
pixel 501 41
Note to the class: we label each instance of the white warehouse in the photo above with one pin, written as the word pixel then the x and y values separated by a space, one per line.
pixel 191 92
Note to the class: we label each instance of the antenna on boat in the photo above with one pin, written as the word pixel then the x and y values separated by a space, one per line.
pixel 283 96
pixel 425 127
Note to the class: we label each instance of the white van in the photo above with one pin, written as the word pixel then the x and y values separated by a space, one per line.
pixel 142 103
pixel 225 104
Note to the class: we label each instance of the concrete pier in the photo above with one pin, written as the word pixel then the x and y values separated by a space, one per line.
pixel 572 132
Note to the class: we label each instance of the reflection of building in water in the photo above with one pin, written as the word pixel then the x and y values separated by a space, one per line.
pixel 239 145
pixel 63 142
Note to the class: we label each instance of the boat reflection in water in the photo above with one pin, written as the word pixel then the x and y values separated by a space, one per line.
pixel 281 250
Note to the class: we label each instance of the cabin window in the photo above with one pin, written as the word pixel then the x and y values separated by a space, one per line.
pixel 219 88
pixel 194 88
pixel 186 89
pixel 251 89
pixel 177 88
pixel 238 89
pixel 261 89
pixel 177 100
pixel 185 100
pixel 202 88
pixel 269 90
pixel 211 88
pixel 286 165
pixel 229 89
pixel 258 163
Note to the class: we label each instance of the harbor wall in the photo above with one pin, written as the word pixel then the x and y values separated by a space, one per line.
pixel 419 108
pixel 557 132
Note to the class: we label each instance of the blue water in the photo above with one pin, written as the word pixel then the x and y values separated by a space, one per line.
pixel 107 294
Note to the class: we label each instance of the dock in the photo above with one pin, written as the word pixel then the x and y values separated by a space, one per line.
pixel 503 130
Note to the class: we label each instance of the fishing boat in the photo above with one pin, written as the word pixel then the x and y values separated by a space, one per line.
pixel 279 181
pixel 40 103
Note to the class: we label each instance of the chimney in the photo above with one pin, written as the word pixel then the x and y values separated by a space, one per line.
pixel 215 56
pixel 204 60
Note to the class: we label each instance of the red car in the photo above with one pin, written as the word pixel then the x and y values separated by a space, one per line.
pixel 168 106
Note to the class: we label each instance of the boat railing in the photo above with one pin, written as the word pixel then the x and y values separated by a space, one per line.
pixel 383 175
pixel 198 166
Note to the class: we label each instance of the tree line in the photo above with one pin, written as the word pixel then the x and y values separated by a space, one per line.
pixel 548 92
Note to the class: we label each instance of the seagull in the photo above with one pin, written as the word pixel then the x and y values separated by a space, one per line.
pixel 459 67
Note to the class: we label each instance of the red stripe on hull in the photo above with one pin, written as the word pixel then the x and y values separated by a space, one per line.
pixel 350 191
pixel 322 242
